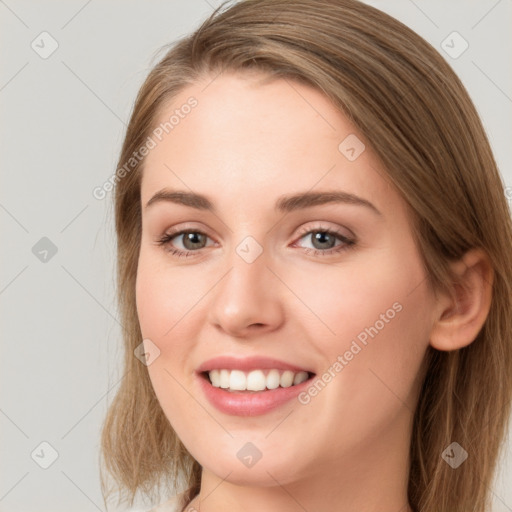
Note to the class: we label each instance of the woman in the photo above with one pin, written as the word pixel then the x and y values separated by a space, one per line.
pixel 264 369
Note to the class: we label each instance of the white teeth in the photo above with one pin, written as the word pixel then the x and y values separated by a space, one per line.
pixel 237 380
pixel 215 378
pixel 273 379
pixel 287 379
pixel 224 379
pixel 300 377
pixel 255 380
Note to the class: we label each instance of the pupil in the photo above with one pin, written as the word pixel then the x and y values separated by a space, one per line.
pixel 192 238
pixel 319 237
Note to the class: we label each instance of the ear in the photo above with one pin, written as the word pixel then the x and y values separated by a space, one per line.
pixel 461 313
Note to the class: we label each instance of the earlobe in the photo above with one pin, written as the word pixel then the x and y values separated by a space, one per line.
pixel 461 314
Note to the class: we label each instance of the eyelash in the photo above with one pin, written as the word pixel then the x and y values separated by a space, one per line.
pixel 347 242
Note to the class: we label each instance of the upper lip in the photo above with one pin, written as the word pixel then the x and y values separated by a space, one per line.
pixel 247 364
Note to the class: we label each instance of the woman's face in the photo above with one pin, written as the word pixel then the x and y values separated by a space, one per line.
pixel 267 290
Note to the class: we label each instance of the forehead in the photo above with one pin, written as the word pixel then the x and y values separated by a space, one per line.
pixel 252 139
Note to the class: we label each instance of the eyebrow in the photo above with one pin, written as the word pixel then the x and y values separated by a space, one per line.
pixel 284 204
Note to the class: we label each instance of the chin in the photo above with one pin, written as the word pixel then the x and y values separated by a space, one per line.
pixel 260 475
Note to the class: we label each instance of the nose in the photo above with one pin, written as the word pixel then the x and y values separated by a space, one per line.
pixel 247 300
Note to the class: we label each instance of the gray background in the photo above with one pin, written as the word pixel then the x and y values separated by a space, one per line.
pixel 63 119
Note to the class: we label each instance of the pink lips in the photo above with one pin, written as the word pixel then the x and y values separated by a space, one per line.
pixel 248 403
pixel 247 364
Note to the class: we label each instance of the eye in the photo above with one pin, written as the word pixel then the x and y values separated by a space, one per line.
pixel 323 239
pixel 192 240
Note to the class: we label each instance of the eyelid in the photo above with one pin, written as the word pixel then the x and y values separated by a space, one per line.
pixel 324 227
pixel 187 227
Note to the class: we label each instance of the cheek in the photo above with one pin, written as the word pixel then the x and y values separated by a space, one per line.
pixel 162 305
pixel 166 297
pixel 168 305
pixel 368 298
pixel 378 320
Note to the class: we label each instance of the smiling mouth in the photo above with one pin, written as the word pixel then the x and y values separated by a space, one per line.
pixel 255 380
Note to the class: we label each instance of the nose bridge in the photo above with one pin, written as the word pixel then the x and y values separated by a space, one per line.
pixel 248 275
pixel 246 295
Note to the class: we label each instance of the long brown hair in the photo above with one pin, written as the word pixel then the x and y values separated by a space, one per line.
pixel 418 117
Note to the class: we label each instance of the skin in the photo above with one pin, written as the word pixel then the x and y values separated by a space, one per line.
pixel 244 145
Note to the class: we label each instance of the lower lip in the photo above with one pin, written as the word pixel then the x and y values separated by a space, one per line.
pixel 249 403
